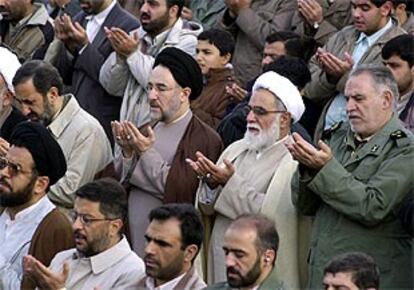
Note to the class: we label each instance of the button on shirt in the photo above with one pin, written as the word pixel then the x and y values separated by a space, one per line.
pixel 337 111
pixel 15 239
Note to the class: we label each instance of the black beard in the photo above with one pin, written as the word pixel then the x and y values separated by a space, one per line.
pixel 249 279
pixel 13 199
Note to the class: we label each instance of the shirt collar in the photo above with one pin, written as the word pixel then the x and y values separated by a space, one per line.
pixel 25 213
pixel 65 117
pixel 106 259
pixel 101 16
pixel 166 286
pixel 374 37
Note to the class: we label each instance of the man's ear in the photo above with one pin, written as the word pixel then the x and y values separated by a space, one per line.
pixel 225 59
pixel 185 94
pixel 41 185
pixel 388 99
pixel 116 226
pixel 386 8
pixel 269 257
pixel 7 98
pixel 190 252
pixel 173 11
pixel 52 94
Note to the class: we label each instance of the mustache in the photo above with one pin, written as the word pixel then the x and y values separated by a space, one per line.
pixel 4 182
pixel 145 14
pixel 232 270
pixel 77 234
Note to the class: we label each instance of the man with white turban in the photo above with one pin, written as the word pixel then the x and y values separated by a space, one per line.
pixel 253 176
pixel 9 116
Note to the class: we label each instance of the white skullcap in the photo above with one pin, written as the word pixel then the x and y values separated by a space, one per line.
pixel 9 64
pixel 284 89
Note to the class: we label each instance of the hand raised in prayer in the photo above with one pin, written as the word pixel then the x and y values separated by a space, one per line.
pixel 133 140
pixel 43 277
pixel 236 91
pixel 311 11
pixel 306 154
pixel 4 147
pixel 122 42
pixel 119 131
pixel 187 14
pixel 214 175
pixel 235 6
pixel 72 34
pixel 334 67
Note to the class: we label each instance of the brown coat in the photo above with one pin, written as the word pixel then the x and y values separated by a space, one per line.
pixel 197 137
pixel 53 235
pixel 335 16
pixel 211 105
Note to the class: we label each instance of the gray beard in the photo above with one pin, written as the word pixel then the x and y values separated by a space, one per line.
pixel 265 138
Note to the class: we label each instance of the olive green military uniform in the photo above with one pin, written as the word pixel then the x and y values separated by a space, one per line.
pixel 354 198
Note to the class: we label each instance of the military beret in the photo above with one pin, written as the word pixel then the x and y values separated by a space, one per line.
pixel 183 67
pixel 48 157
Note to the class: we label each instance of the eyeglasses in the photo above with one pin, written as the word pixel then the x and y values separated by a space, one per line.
pixel 14 168
pixel 259 111
pixel 85 219
pixel 159 89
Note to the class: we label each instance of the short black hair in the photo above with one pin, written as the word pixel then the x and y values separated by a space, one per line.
pixel 43 75
pixel 402 46
pixel 409 4
pixel 109 193
pixel 221 39
pixel 281 36
pixel 292 68
pixel 267 236
pixel 303 47
pixel 179 3
pixel 364 271
pixel 379 3
pixel 191 227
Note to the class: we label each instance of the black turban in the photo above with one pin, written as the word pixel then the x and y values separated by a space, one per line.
pixel 184 69
pixel 46 152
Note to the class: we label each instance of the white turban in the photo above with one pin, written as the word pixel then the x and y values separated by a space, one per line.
pixel 283 88
pixel 9 64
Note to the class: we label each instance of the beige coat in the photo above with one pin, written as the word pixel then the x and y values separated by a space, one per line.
pixel 239 197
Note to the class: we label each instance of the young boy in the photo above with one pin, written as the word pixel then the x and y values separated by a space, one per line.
pixel 214 51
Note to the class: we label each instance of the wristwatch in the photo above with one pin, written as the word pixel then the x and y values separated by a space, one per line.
pixel 315 25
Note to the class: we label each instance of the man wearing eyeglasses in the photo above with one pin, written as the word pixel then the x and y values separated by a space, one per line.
pixel 153 158
pixel 102 257
pixel 253 175
pixel 30 223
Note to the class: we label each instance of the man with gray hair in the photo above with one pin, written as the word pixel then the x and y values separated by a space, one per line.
pixel 253 175
pixel 356 178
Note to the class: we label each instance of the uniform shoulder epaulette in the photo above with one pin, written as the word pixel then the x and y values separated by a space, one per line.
pixel 400 137
pixel 328 132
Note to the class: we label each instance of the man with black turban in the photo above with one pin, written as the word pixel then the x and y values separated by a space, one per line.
pixel 30 223
pixel 154 163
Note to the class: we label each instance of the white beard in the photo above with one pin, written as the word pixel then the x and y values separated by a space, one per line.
pixel 265 138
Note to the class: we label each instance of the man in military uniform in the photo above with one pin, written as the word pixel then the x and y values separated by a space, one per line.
pixel 354 181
